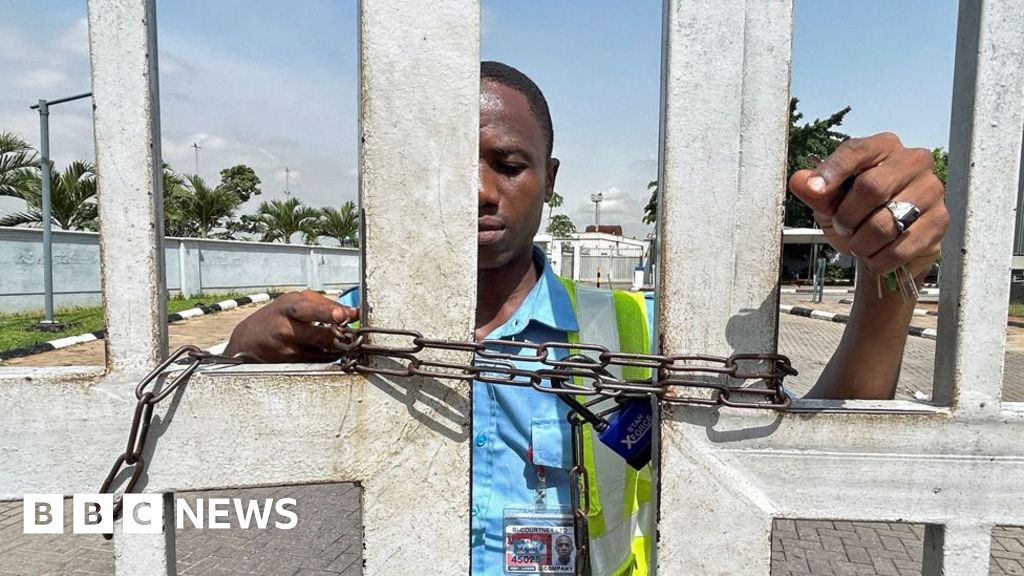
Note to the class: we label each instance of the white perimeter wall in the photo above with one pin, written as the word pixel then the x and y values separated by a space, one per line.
pixel 193 265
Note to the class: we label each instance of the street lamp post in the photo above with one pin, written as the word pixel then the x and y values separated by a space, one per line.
pixel 596 199
pixel 43 106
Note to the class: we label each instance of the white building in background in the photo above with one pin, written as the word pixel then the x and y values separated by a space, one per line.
pixel 590 256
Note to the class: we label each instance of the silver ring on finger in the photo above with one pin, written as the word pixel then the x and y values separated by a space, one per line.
pixel 903 214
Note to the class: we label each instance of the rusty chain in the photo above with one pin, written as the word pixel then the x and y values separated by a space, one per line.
pixel 149 395
pixel 581 372
pixel 709 379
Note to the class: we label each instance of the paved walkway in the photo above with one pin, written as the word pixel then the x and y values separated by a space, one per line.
pixel 327 540
pixel 203 331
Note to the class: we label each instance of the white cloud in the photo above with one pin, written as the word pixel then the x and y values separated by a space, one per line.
pixel 41 78
pixel 13 46
pixel 74 39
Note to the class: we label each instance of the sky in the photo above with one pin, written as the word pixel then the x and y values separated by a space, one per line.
pixel 274 84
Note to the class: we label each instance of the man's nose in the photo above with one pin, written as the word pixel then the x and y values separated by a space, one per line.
pixel 487 192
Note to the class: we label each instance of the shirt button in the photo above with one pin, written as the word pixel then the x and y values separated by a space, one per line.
pixel 475 510
pixel 481 439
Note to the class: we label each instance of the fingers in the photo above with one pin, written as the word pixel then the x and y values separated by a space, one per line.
pixel 309 306
pixel 879 228
pixel 822 188
pixel 882 248
pixel 915 251
pixel 317 343
pixel 876 187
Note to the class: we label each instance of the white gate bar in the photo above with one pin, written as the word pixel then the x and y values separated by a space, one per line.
pixel 147 553
pixel 957 550
pixel 726 111
pixel 123 49
pixel 419 129
pixel 984 157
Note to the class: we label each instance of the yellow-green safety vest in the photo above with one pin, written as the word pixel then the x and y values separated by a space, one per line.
pixel 621 519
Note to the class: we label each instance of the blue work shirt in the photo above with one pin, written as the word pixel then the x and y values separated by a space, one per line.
pixel 508 420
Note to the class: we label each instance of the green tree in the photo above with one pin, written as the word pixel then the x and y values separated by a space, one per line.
pixel 19 166
pixel 282 219
pixel 808 144
pixel 651 210
pixel 240 180
pixel 941 168
pixel 342 225
pixel 555 201
pixel 561 226
pixel 72 200
pixel 198 210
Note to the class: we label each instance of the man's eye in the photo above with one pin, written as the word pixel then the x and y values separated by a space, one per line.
pixel 509 169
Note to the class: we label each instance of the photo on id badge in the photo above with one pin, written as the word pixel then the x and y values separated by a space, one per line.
pixel 539 542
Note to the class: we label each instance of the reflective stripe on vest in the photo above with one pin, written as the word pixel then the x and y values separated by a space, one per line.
pixel 620 497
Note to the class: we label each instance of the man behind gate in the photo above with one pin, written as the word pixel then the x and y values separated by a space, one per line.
pixel 874 199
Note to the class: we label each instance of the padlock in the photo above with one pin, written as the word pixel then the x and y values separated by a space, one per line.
pixel 630 431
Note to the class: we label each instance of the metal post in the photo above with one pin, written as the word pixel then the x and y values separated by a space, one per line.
pixel 44 163
pixel 48 323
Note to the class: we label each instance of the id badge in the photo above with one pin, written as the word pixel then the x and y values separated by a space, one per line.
pixel 539 540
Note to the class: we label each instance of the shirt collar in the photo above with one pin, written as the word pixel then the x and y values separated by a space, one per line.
pixel 548 303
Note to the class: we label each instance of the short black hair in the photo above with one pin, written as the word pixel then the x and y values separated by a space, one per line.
pixel 508 76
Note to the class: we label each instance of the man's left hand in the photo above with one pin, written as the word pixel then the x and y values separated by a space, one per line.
pixel 849 191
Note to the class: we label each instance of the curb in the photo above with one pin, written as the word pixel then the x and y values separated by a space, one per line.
pixel 917 311
pixel 923 312
pixel 802 290
pixel 101 334
pixel 928 333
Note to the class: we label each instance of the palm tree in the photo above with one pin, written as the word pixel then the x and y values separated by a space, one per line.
pixel 19 166
pixel 175 223
pixel 342 225
pixel 555 201
pixel 282 219
pixel 203 208
pixel 651 210
pixel 72 200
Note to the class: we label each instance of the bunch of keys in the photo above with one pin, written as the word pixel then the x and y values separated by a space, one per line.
pixel 902 281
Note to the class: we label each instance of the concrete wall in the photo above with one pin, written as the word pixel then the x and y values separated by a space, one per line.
pixel 193 266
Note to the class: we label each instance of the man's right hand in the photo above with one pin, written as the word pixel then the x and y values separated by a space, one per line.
pixel 285 330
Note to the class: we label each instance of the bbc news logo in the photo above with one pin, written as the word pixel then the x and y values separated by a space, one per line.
pixel 144 513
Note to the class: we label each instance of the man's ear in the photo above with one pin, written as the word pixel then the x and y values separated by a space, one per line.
pixel 551 174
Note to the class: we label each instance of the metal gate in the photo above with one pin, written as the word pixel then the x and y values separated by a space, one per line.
pixel 957 466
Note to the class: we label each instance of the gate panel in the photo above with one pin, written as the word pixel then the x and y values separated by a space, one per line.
pixel 725 472
pixel 405 440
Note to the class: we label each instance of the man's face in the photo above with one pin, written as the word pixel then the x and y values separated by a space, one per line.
pixel 516 177
pixel 564 548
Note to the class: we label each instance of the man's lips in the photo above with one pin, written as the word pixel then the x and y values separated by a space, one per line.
pixel 489 231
